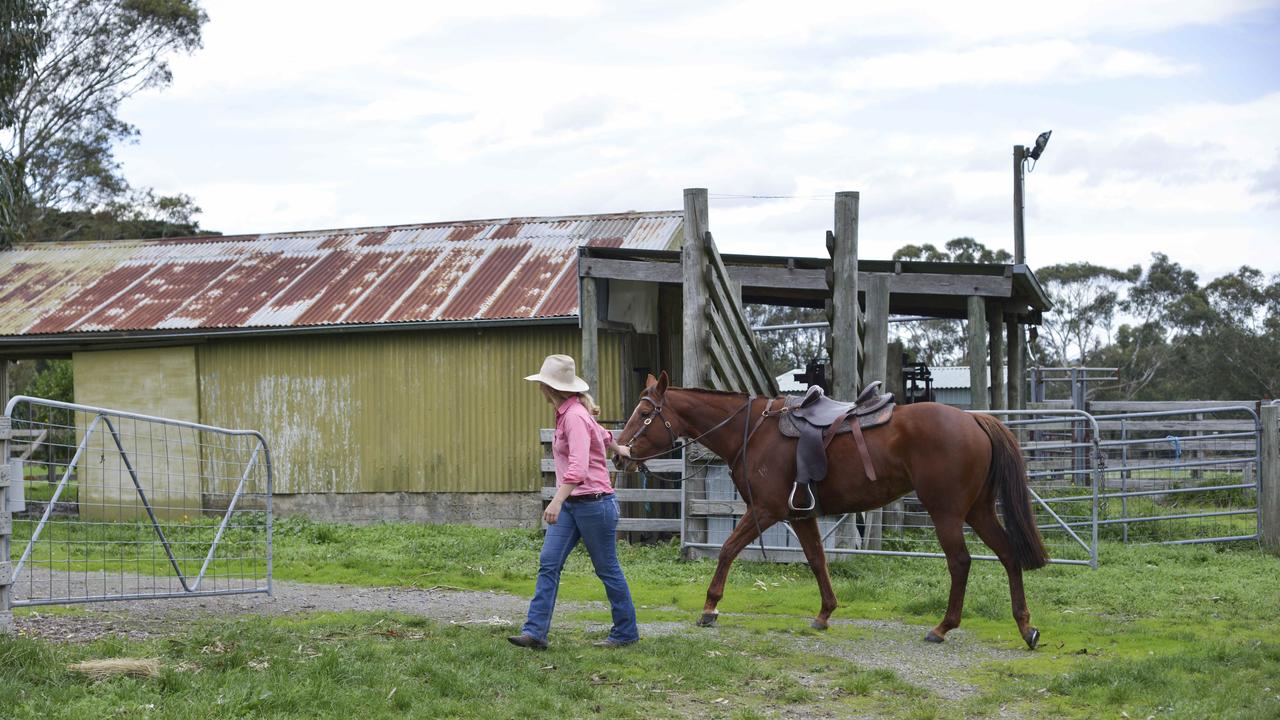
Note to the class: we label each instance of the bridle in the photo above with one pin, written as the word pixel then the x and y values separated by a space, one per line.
pixel 671 433
pixel 747 433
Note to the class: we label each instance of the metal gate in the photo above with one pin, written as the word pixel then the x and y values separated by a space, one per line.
pixel 110 505
pixel 1180 476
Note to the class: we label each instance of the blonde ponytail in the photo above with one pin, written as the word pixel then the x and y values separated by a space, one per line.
pixel 589 403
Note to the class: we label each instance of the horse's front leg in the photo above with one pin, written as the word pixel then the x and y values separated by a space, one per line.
pixel 742 535
pixel 810 537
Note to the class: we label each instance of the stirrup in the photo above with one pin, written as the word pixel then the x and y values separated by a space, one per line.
pixel 791 500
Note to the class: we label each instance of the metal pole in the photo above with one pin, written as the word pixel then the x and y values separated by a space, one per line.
pixel 1019 242
pixel 6 525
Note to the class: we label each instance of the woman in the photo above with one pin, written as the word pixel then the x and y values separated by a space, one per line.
pixel 583 508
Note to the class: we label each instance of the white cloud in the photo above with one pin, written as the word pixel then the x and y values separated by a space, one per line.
pixel 297 116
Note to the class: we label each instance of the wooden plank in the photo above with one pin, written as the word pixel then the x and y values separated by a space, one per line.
pixel 640 270
pixel 723 353
pixel 6 429
pixel 845 342
pixel 664 495
pixel 979 398
pixel 657 465
pixel 645 525
pixel 693 262
pixel 739 349
pixel 765 383
pixel 715 507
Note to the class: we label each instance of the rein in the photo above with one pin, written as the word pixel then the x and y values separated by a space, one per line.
pixel 675 446
pixel 747 433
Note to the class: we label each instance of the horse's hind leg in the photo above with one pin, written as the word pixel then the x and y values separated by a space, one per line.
pixel 982 518
pixel 738 540
pixel 811 540
pixel 951 536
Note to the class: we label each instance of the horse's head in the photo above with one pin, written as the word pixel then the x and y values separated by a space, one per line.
pixel 652 429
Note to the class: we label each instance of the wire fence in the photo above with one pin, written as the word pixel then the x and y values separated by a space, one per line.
pixel 110 505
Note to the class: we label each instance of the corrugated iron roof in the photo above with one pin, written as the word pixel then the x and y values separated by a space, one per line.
pixel 471 270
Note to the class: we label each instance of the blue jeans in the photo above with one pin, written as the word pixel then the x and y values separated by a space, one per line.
pixel 595 523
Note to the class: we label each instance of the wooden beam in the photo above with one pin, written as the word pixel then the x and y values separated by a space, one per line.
pixel 693 262
pixel 845 343
pixel 977 329
pixel 1017 366
pixel 589 315
pixel 995 341
pixel 758 277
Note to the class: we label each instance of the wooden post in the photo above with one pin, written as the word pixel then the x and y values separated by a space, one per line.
pixel 892 515
pixel 995 332
pixel 589 313
pixel 693 264
pixel 876 367
pixel 844 330
pixel 1019 241
pixel 1269 480
pixel 1017 367
pixel 4 386
pixel 978 354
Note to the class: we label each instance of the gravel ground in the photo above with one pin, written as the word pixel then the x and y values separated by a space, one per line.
pixel 895 646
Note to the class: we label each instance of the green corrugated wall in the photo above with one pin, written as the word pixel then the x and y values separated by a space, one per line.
pixel 431 411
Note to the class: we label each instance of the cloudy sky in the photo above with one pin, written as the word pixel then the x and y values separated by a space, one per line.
pixel 308 115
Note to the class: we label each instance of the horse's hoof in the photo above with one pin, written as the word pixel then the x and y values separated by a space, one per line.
pixel 933 637
pixel 818 625
pixel 1032 637
pixel 708 620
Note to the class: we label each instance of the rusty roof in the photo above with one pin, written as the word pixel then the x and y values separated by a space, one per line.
pixel 515 268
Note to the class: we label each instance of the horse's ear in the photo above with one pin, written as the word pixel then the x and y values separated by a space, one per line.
pixel 663 382
pixel 650 381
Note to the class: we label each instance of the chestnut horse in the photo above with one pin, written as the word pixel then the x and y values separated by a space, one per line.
pixel 957 463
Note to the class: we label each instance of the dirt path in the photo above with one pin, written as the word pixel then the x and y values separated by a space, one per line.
pixel 895 646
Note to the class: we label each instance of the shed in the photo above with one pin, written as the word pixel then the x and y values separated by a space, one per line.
pixel 385 365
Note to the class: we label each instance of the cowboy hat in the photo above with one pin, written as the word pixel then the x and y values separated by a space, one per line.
pixel 559 372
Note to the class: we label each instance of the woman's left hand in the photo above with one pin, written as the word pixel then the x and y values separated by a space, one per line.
pixel 552 513
pixel 622 451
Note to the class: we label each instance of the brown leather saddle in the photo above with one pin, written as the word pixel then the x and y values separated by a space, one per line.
pixel 815 419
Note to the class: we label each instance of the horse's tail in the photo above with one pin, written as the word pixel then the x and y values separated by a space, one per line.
pixel 1008 473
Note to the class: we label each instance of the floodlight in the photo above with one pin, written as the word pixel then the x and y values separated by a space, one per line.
pixel 1041 141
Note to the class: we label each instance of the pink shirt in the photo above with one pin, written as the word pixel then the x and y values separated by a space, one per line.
pixel 579 449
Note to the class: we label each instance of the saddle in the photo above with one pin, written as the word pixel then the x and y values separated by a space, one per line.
pixel 815 419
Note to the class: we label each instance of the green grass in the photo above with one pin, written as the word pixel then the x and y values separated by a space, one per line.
pixel 1183 631
pixel 377 665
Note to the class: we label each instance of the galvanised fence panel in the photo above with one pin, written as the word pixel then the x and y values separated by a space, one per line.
pixel 110 505
pixel 1180 476
pixel 1063 462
